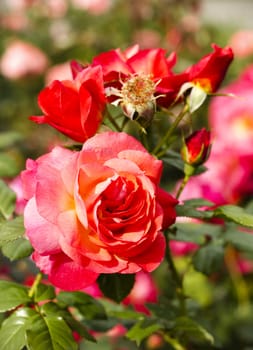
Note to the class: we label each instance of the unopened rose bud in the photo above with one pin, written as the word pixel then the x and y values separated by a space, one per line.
pixel 196 148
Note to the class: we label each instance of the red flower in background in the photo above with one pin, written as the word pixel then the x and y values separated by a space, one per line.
pixel 74 107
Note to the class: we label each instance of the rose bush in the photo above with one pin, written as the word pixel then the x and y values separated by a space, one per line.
pixel 96 211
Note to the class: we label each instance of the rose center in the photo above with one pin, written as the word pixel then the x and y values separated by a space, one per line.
pixel 138 90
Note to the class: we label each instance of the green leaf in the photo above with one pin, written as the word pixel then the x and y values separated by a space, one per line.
pixel 209 258
pixel 189 211
pixel 235 214
pixel 120 310
pixel 239 239
pixel 50 333
pixel 11 230
pixel 12 295
pixel 190 331
pixel 44 292
pixel 196 232
pixel 142 330
pixel 12 332
pixel 8 166
pixel 87 305
pixel 18 249
pixel 53 309
pixel 198 202
pixel 116 286
pixel 7 200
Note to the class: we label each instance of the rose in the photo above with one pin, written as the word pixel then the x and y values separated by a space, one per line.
pixel 208 73
pixel 74 107
pixel 140 79
pixel 99 210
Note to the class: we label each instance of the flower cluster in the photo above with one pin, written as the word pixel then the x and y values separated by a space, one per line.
pixel 100 209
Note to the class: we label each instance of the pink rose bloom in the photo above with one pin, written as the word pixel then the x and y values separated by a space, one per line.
pixel 242 43
pixel 21 59
pixel 99 210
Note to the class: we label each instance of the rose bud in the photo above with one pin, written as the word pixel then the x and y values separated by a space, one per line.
pixel 196 148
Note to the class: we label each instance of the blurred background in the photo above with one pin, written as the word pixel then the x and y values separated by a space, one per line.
pixel 38 39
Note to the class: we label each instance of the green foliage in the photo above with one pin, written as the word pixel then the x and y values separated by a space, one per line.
pixel 13 330
pixel 7 201
pixel 116 286
pixel 12 295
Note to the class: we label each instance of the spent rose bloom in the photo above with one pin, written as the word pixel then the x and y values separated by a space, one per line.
pixel 74 107
pixel 99 210
pixel 138 79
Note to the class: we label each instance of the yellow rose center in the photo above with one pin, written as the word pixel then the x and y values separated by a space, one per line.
pixel 138 91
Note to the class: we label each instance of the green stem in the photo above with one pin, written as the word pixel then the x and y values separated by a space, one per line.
pixel 182 186
pixel 170 131
pixel 113 121
pixel 239 284
pixel 35 284
pixel 176 277
pixel 173 342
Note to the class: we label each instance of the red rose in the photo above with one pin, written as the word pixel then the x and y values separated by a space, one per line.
pixel 209 72
pixel 74 107
pixel 96 211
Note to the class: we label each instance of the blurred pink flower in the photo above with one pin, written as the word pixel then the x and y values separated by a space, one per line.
pixel 96 7
pixel 14 21
pixel 180 248
pixel 144 291
pixel 227 180
pixel 22 59
pixel 242 43
pixel 231 118
pixel 55 8
pixel 147 38
pixel 60 72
